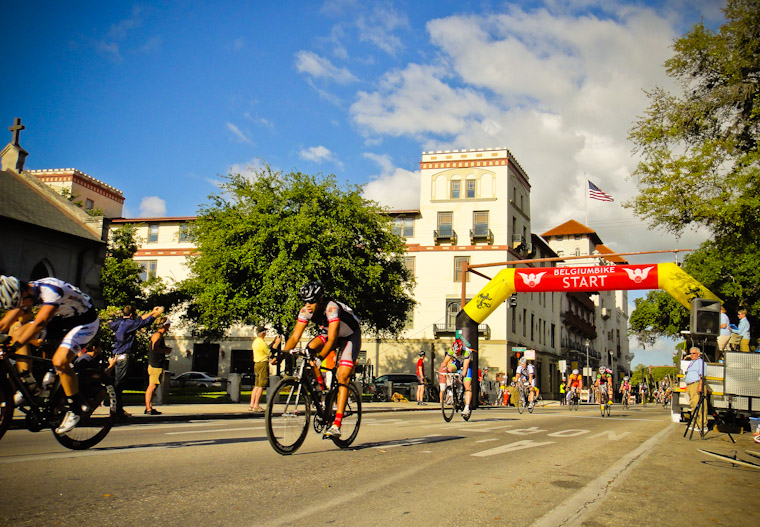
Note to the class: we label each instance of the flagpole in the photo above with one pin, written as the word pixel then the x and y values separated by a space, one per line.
pixel 585 193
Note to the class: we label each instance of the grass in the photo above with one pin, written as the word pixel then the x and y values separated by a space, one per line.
pixel 186 396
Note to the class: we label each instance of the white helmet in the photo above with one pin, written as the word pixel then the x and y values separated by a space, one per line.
pixel 625 378
pixel 10 292
pixel 601 369
pixel 575 372
pixel 523 360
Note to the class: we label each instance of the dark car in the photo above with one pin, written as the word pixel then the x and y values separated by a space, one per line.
pixel 404 383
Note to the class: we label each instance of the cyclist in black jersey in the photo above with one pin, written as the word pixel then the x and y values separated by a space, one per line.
pixel 343 334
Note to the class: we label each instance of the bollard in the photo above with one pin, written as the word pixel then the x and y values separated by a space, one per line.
pixel 161 395
pixel 233 386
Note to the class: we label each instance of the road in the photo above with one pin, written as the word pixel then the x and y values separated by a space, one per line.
pixel 549 468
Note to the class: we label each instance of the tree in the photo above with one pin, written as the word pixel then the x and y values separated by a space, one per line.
pixel 120 277
pixel 700 163
pixel 263 237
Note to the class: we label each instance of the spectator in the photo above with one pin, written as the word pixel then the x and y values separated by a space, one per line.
pixel 693 380
pixel 124 330
pixel 562 389
pixel 260 367
pixel 725 332
pixel 158 352
pixel 421 379
pixel 743 330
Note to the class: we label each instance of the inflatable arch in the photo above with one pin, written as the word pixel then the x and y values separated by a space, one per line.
pixel 667 276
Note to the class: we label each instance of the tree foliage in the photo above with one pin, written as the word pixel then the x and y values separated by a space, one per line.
pixel 261 238
pixel 700 164
pixel 120 277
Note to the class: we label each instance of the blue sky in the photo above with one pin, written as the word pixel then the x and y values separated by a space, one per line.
pixel 159 98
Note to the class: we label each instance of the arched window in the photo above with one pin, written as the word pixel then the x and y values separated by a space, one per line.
pixel 43 269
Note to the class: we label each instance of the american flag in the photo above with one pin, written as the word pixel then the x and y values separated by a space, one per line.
pixel 595 192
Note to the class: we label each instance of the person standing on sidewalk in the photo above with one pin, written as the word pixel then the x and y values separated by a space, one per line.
pixel 156 357
pixel 693 380
pixel 421 379
pixel 124 330
pixel 260 367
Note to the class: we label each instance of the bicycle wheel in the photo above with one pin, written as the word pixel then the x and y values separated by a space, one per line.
pixel 352 416
pixel 286 428
pixel 530 405
pixel 520 403
pixel 447 404
pixel 6 407
pixel 94 426
pixel 609 408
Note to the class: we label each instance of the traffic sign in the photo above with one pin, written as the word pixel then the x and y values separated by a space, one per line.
pixel 519 349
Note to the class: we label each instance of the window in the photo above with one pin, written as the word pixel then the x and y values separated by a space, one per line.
pixel 532 325
pixel 525 322
pixel 403 226
pixel 148 269
pixel 577 251
pixel 153 233
pixel 409 262
pixel 456 189
pixel 88 204
pixel 453 306
pixel 184 232
pixel 470 188
pixel 445 223
pixel 458 268
pixel 480 223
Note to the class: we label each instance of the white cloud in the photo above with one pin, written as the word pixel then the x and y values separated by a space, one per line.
pixel 237 132
pixel 394 188
pixel 151 45
pixel 247 169
pixel 318 154
pixel 319 67
pixel 152 207
pixel 377 26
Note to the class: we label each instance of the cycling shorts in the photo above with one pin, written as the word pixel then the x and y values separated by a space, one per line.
pixel 348 348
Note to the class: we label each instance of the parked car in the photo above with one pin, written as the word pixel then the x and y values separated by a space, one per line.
pixel 405 383
pixel 196 379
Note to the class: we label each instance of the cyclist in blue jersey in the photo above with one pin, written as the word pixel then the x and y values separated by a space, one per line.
pixel 343 334
pixel 64 311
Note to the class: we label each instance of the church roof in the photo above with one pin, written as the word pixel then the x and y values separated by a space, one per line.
pixel 27 200
pixel 603 249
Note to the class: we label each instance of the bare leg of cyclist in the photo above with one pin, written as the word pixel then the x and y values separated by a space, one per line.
pixel 343 376
pixel 62 360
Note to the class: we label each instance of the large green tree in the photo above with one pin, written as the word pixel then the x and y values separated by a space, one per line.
pixel 263 236
pixel 700 163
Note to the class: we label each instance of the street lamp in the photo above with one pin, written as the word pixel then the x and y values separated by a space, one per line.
pixel 588 370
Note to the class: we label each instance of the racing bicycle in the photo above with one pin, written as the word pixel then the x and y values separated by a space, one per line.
pixel 453 397
pixel 626 395
pixel 574 399
pixel 287 422
pixel 605 405
pixel 49 410
pixel 523 399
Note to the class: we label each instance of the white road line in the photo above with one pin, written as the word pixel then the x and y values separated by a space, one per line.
pixel 578 507
pixel 246 429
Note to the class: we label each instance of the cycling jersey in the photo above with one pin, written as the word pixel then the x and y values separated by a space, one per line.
pixel 574 380
pixel 69 300
pixel 459 354
pixel 349 333
pixel 333 311
pixel 524 372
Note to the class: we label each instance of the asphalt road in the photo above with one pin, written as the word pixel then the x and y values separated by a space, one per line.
pixel 548 468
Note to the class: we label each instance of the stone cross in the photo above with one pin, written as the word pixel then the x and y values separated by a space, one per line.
pixel 16 129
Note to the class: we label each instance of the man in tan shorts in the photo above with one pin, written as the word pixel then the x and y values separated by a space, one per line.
pixel 158 352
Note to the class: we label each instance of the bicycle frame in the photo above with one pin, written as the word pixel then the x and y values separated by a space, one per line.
pixel 40 412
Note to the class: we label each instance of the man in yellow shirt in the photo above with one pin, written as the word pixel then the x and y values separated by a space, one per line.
pixel 260 367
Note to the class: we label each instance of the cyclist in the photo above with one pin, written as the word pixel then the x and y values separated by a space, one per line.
pixel 604 385
pixel 343 335
pixel 526 377
pixel 625 389
pixel 64 310
pixel 458 359
pixel 574 384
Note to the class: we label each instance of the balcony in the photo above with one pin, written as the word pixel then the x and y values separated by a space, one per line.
pixel 586 329
pixel 445 233
pixel 481 233
pixel 449 331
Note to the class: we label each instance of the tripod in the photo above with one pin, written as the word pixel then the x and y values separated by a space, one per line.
pixel 701 408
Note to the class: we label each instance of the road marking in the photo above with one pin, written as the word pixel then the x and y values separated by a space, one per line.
pixel 511 447
pixel 578 507
pixel 486 440
pixel 246 429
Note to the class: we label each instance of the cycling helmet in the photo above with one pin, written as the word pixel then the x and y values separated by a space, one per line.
pixel 10 292
pixel 601 369
pixel 422 353
pixel 575 372
pixel 456 346
pixel 311 291
pixel 523 360
pixel 625 378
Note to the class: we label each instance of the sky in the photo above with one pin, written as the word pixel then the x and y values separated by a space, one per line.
pixel 160 98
